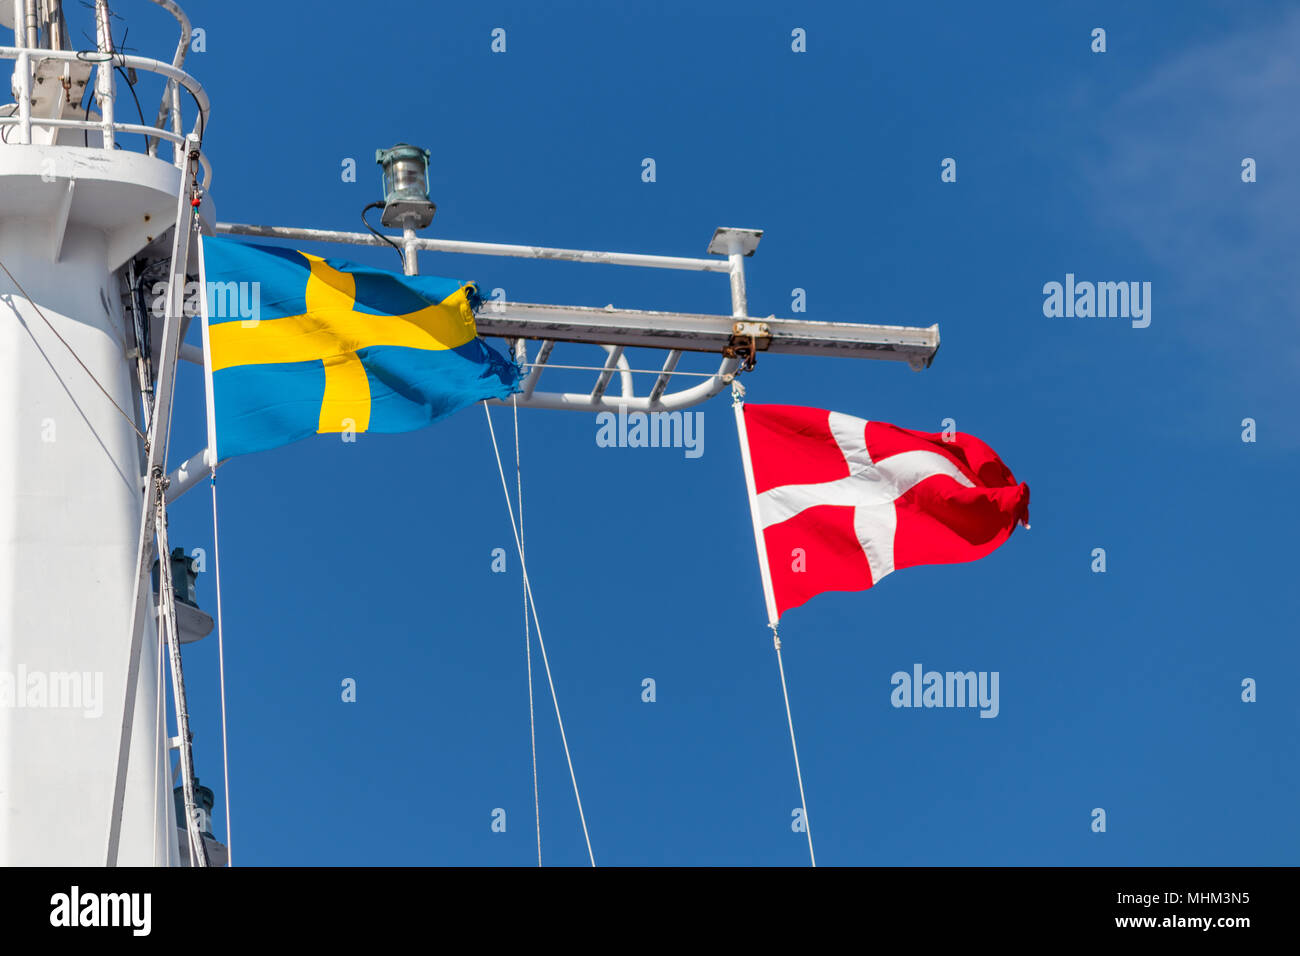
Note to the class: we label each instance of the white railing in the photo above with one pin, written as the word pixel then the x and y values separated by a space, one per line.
pixel 26 61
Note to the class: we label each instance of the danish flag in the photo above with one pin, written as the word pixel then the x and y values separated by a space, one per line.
pixel 839 502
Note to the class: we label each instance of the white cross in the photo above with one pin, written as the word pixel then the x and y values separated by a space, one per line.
pixel 871 488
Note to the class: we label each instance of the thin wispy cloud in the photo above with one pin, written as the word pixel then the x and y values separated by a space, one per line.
pixel 1167 177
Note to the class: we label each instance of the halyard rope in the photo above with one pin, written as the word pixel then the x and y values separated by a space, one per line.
pixel 528 640
pixel 221 663
pixel 803 801
pixel 532 603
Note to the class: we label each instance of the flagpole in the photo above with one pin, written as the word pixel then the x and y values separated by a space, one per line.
pixel 738 406
pixel 210 395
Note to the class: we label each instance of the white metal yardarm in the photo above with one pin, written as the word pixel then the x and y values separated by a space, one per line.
pixel 735 338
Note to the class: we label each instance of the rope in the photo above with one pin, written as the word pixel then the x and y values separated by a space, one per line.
pixel 221 663
pixel 803 801
pixel 532 603
pixel 528 641
pixel 737 404
pixel 19 286
pixel 158 741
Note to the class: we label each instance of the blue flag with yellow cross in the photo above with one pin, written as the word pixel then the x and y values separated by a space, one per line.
pixel 300 345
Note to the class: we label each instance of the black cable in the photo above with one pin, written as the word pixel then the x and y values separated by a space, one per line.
pixel 366 223
pixel 85 57
pixel 131 86
pixel 150 273
pixel 85 133
pixel 198 109
pixel 89 56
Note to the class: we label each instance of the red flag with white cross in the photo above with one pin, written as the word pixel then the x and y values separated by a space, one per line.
pixel 839 502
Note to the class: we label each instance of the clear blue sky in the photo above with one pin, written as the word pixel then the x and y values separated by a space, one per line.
pixel 1118 690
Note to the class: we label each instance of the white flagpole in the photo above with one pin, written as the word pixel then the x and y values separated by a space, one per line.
pixel 207 361
pixel 216 546
pixel 738 405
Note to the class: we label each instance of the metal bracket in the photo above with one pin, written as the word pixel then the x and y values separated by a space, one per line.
pixel 729 239
pixel 748 339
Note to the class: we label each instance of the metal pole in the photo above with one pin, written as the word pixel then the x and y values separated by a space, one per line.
pixel 56 25
pixel 156 449
pixel 190 472
pixel 477 248
pixel 23 89
pixel 177 148
pixel 22 76
pixel 739 304
pixel 171 102
pixel 167 598
pixel 33 26
pixel 410 265
pixel 736 267
pixel 104 71
pixel 760 543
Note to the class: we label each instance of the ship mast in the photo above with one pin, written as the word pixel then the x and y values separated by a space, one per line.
pixel 89 204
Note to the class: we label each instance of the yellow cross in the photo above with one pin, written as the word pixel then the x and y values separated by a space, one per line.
pixel 347 389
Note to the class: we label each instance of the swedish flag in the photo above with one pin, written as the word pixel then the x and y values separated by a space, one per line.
pixel 301 345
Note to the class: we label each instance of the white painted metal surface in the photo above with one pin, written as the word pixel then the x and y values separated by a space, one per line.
pixel 705 333
pixel 69 505
pixel 70 486
pixel 475 248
